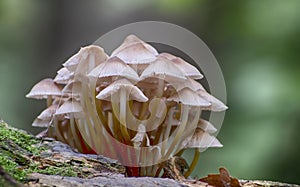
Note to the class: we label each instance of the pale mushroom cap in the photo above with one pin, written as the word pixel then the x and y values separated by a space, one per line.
pixel 216 105
pixel 69 107
pixel 43 89
pixel 188 69
pixel 201 139
pixel 189 83
pixel 100 56
pixel 188 97
pixel 164 69
pixel 41 123
pixel 114 67
pixel 135 51
pixel 72 89
pixel 63 76
pixel 134 92
pixel 48 113
pixel 206 126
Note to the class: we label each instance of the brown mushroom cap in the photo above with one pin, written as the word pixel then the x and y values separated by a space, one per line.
pixel 43 89
pixel 134 92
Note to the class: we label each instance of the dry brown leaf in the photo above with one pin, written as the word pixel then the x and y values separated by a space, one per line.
pixel 221 180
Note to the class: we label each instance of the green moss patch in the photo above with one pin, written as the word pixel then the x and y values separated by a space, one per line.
pixel 20 155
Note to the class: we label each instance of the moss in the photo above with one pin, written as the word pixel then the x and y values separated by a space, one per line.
pixel 17 152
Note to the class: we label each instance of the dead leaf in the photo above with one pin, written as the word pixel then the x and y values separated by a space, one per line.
pixel 221 180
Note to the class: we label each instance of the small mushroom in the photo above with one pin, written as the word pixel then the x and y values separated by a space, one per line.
pixel 91 56
pixel 206 126
pixel 188 69
pixel 121 91
pixel 163 69
pixel 64 76
pixel 188 97
pixel 45 89
pixel 72 110
pixel 114 67
pixel 200 140
pixel 72 90
pixel 135 51
pixel 46 117
pixel 216 104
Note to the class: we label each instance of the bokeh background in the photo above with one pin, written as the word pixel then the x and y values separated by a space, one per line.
pixel 255 42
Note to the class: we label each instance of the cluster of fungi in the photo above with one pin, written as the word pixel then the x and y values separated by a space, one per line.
pixel 137 106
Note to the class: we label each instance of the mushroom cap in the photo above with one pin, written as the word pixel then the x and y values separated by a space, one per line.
pixel 135 51
pixel 72 89
pixel 114 67
pixel 41 123
pixel 134 92
pixel 43 89
pixel 188 69
pixel 201 139
pixel 189 83
pixel 164 69
pixel 48 113
pixel 188 97
pixel 100 56
pixel 206 126
pixel 69 107
pixel 63 76
pixel 216 105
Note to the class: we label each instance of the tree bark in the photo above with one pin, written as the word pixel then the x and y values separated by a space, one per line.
pixel 51 163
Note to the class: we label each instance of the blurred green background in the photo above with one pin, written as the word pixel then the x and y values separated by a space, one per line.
pixel 256 43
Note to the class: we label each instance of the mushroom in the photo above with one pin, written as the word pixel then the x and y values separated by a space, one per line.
pixel 120 92
pixel 199 140
pixel 188 69
pixel 163 70
pixel 45 89
pixel 188 97
pixel 216 104
pixel 135 51
pixel 64 76
pixel 114 67
pixel 206 126
pixel 72 90
pixel 90 56
pixel 189 83
pixel 71 109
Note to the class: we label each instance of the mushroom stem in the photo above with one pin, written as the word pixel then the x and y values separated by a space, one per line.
pixel 184 118
pixel 168 130
pixel 160 88
pixel 74 133
pixel 122 116
pixel 193 164
pixel 49 100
